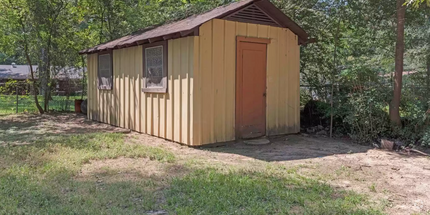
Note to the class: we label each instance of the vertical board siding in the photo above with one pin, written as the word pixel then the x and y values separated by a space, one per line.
pixel 218 79
pixel 90 86
pixel 230 79
pixel 214 80
pixel 169 100
pixel 184 86
pixel 197 93
pixel 272 115
pixel 176 87
pixel 167 115
pixel 132 88
pixel 116 92
pixel 282 84
pixel 199 107
pixel 137 91
pixel 206 98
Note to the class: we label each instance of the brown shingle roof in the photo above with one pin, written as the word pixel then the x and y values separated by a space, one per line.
pixel 187 27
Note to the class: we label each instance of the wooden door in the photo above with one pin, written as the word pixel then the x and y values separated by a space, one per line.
pixel 251 87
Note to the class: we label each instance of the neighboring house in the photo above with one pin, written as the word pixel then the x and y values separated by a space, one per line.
pixel 15 72
pixel 19 73
pixel 67 80
pixel 227 74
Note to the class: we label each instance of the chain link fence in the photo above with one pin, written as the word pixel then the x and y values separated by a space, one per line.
pixel 16 97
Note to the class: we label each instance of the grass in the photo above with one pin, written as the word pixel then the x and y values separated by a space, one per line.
pixel 248 192
pixel 43 178
pixel 26 103
pixel 372 188
pixel 39 178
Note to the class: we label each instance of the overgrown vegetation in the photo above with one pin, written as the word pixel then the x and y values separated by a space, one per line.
pixel 352 64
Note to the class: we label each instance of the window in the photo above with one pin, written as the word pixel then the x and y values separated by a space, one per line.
pixel 155 68
pixel 105 71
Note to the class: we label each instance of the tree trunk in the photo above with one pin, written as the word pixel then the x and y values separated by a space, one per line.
pixel 400 49
pixel 33 82
pixel 101 24
pixel 428 74
pixel 44 80
pixel 336 40
pixel 27 56
pixel 334 74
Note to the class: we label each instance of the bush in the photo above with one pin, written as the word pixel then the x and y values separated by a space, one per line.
pixel 361 108
pixel 315 113
pixel 365 118
pixel 425 140
pixel 305 97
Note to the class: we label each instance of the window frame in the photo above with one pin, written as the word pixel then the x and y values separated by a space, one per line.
pixel 103 87
pixel 165 68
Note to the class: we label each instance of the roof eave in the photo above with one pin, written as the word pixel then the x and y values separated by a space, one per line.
pixel 280 17
pixel 185 33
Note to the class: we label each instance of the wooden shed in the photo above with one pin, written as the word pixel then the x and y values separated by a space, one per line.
pixel 227 74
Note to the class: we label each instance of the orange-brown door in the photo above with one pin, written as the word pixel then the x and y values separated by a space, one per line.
pixel 251 89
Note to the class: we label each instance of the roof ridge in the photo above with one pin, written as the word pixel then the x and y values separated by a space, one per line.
pixel 153 27
pixel 198 14
pixel 188 26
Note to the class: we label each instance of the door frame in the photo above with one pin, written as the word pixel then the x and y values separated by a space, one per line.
pixel 239 72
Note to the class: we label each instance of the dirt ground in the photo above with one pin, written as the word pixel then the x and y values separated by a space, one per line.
pixel 399 181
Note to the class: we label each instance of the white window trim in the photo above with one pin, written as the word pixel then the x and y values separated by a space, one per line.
pixel 104 87
pixel 163 89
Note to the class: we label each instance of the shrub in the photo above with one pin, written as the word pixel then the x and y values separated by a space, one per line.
pixel 425 140
pixel 365 119
pixel 315 113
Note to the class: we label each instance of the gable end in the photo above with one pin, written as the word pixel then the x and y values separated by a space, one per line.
pixel 252 14
pixel 261 12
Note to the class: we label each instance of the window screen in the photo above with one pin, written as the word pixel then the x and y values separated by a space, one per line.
pixel 154 67
pixel 105 72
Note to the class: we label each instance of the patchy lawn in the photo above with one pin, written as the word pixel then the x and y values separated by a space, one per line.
pixel 64 164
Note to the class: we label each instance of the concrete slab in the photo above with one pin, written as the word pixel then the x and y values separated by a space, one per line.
pixel 257 142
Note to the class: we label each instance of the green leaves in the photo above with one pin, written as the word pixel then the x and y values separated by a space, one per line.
pixel 67 26
pixel 417 3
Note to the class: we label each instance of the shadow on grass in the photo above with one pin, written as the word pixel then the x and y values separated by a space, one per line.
pixel 206 191
pixel 42 178
pixel 24 195
pixel 25 129
pixel 75 150
pixel 291 147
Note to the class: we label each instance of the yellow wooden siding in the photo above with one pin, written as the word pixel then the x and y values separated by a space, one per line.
pixel 167 115
pixel 199 107
pixel 214 80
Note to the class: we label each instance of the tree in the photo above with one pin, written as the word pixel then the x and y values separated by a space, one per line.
pixel 18 34
pixel 398 75
pixel 48 17
pixel 52 38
